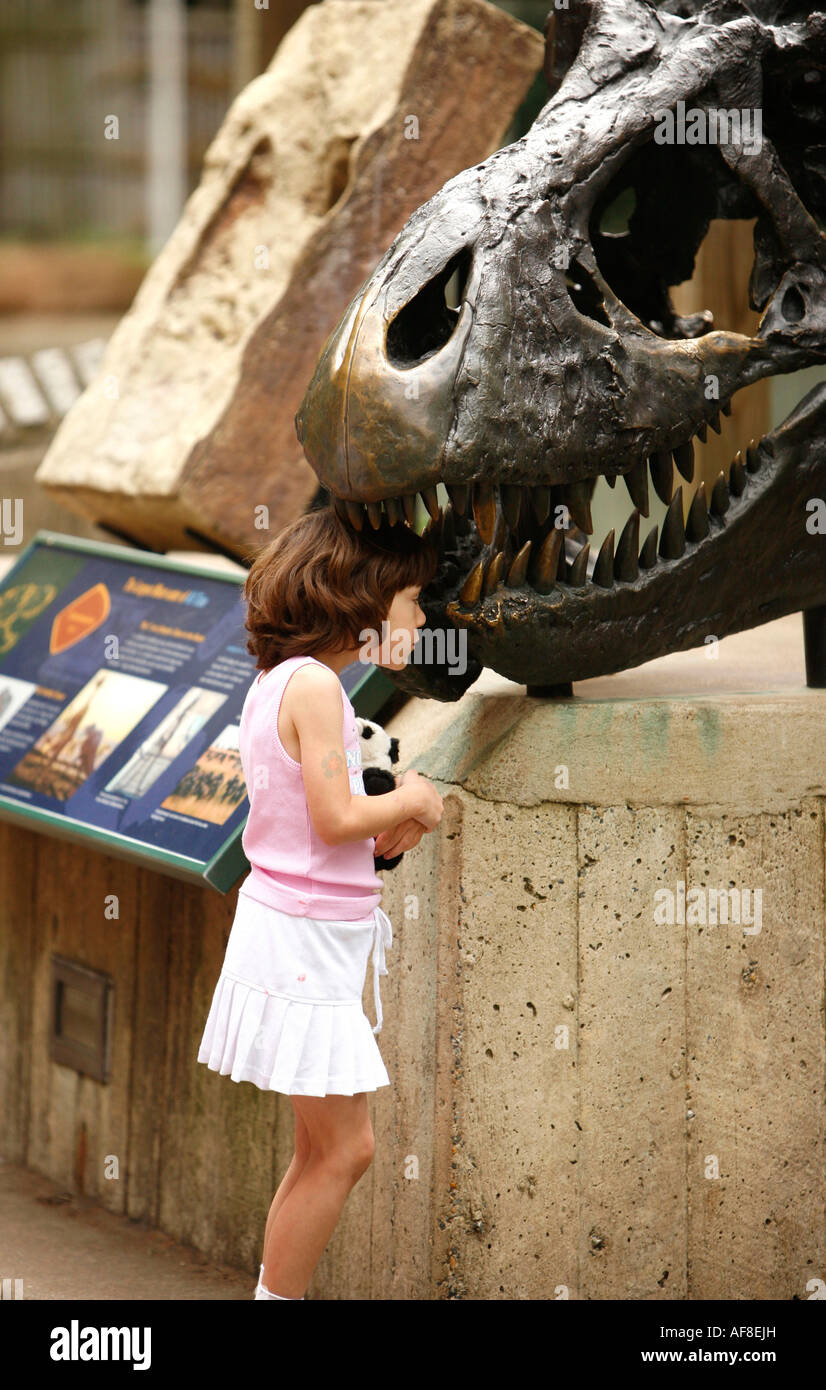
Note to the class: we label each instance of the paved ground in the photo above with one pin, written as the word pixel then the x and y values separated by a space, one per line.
pixel 67 1247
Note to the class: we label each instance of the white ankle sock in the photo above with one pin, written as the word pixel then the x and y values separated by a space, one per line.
pixel 262 1291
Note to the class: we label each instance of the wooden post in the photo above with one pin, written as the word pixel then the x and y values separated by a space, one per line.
pixel 166 135
pixel 258 32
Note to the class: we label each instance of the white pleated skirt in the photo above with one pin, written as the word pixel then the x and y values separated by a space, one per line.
pixel 287 1010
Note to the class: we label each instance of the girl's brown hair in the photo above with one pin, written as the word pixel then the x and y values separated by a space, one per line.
pixel 320 583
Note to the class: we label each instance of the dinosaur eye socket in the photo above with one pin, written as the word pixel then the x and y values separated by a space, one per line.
pixel 615 219
pixel 650 222
pixel 427 321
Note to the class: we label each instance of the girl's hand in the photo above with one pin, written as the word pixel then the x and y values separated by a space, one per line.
pixel 401 837
pixel 430 807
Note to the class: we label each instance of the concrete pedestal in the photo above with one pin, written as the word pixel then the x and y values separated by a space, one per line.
pixel 595 1098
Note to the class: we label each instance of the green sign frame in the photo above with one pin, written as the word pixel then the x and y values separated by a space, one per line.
pixel 368 692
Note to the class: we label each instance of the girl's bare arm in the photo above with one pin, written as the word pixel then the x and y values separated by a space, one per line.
pixel 337 815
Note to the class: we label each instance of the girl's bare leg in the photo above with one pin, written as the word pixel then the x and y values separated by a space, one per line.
pixel 301 1152
pixel 341 1150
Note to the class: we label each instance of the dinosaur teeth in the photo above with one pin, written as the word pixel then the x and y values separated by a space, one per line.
pixel 355 513
pixel 715 422
pixel 431 500
pixel 511 494
pixel 702 432
pixel 684 459
pixel 484 510
pixel 499 531
pixel 434 530
pixel 542 564
pixel 737 477
pixel 471 590
pixel 603 573
pixel 720 499
pixel 696 526
pixel 493 574
pixel 549 562
pixel 648 554
pixel 626 565
pixel 579 569
pixel 636 480
pixel 577 498
pixel 516 574
pixel 662 474
pixel 672 537
pixel 393 508
pixel 459 494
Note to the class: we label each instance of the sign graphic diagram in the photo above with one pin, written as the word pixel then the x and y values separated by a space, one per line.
pixel 122 680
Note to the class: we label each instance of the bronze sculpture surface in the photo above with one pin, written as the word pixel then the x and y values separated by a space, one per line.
pixel 565 358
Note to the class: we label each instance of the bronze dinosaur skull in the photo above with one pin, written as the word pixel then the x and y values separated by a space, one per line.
pixel 566 360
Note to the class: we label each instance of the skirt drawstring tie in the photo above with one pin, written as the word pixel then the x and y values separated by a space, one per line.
pixel 382 940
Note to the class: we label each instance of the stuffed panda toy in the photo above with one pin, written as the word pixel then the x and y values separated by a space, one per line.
pixel 379 753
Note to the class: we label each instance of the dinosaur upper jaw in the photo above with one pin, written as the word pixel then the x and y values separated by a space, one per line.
pixel 753 554
pixel 376 428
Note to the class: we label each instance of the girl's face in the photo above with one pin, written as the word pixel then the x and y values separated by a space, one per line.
pixel 403 622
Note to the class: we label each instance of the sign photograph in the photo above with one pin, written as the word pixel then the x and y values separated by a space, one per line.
pixel 122 679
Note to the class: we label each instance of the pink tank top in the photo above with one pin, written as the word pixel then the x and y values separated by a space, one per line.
pixel 291 867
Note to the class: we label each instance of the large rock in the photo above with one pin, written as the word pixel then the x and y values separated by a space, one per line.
pixel 189 426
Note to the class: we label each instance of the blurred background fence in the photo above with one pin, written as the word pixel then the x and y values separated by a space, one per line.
pixel 68 66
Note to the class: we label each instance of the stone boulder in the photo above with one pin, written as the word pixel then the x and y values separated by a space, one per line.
pixel 187 435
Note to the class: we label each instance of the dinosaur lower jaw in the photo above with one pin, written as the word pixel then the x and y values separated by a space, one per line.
pixel 541 609
pixel 750 558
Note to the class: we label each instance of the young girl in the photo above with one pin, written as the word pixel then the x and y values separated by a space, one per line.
pixel 287 1010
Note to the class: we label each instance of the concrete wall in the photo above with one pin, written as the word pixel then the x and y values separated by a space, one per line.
pixel 604 1107
pixel 585 1103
